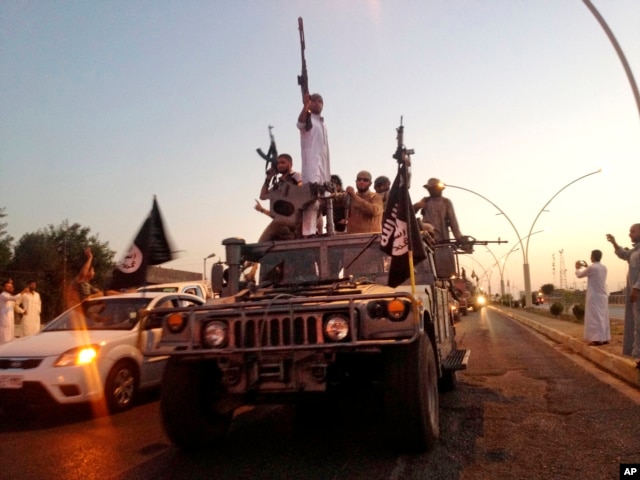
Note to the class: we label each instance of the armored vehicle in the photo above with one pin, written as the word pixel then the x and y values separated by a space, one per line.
pixel 299 318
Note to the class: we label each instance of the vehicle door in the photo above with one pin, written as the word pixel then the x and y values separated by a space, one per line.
pixel 149 337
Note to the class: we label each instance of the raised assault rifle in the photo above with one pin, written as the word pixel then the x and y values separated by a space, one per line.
pixel 271 156
pixel 303 78
pixel 402 153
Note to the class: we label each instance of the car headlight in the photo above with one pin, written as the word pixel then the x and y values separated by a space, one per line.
pixel 78 356
pixel 215 334
pixel 336 328
pixel 481 300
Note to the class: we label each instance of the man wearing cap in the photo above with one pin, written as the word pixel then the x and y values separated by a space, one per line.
pixel 277 230
pixel 438 215
pixel 315 156
pixel 339 206
pixel 382 185
pixel 365 206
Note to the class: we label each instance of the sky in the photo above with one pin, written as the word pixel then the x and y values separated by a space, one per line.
pixel 106 104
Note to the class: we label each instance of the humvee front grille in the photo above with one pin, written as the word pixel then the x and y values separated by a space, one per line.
pixel 276 332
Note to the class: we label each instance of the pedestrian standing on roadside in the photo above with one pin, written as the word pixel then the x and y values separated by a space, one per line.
pixel 597 329
pixel 32 306
pixel 631 338
pixel 7 308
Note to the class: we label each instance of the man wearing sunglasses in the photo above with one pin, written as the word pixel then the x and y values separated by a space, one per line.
pixel 365 206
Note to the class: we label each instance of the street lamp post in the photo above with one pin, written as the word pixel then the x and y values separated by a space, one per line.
pixel 504 262
pixel 618 49
pixel 525 250
pixel 502 265
pixel 527 274
pixel 204 265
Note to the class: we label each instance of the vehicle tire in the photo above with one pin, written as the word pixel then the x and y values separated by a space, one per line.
pixel 411 396
pixel 189 400
pixel 121 387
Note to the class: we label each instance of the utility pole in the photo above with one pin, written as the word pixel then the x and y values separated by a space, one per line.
pixel 563 272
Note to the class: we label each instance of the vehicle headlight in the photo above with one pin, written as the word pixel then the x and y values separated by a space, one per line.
pixel 481 300
pixel 336 328
pixel 215 334
pixel 78 356
pixel 377 309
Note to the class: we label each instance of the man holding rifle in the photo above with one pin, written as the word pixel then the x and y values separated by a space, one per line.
pixel 315 156
pixel 315 149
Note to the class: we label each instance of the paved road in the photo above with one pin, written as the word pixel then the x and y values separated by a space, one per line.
pixel 524 409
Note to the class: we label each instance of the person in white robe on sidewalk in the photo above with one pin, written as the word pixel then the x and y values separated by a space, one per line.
pixel 7 309
pixel 32 305
pixel 597 329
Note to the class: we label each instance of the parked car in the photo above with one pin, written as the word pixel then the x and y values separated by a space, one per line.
pixel 90 353
pixel 198 288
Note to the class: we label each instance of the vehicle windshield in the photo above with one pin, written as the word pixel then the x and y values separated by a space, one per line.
pixel 159 289
pixel 362 261
pixel 101 314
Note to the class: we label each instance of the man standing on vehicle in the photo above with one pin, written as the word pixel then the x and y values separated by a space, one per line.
pixel 277 230
pixel 315 156
pixel 365 206
pixel 438 215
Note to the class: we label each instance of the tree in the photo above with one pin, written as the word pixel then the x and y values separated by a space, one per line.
pixel 53 256
pixel 5 242
pixel 547 288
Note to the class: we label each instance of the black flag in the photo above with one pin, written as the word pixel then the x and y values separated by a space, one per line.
pixel 150 247
pixel 400 233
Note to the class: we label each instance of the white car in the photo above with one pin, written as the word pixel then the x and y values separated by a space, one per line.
pixel 90 353
pixel 198 288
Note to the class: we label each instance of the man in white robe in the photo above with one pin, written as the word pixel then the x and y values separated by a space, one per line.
pixel 32 306
pixel 315 167
pixel 7 305
pixel 596 310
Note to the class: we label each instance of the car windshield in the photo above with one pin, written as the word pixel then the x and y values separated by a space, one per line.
pixel 101 314
pixel 159 289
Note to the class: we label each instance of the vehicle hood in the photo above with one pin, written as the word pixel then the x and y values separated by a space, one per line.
pixel 46 344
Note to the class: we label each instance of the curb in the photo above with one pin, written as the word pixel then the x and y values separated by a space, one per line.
pixel 621 367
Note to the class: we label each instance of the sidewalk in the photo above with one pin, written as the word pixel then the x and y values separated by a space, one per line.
pixel 608 357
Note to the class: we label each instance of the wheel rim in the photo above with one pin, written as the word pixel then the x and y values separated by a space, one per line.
pixel 123 387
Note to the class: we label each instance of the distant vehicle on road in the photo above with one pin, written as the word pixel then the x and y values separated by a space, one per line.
pixel 90 353
pixel 478 302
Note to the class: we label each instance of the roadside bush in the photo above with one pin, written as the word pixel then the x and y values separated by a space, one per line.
pixel 556 309
pixel 578 311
